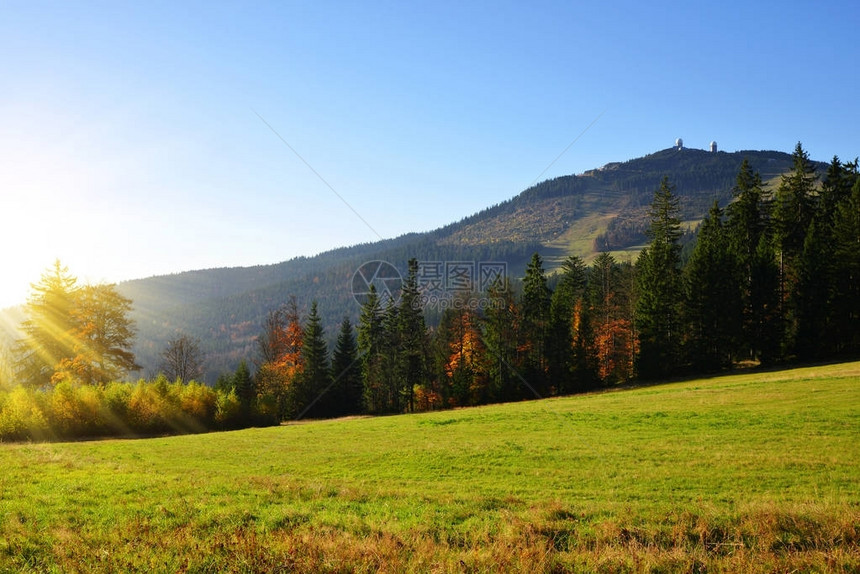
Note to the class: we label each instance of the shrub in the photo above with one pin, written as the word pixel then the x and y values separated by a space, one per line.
pixel 21 417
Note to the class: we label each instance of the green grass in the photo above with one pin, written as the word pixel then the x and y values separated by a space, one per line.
pixel 751 472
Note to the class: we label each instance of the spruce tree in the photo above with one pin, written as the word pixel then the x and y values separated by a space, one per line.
pixel 660 287
pixel 565 304
pixel 713 306
pixel 535 304
pixel 243 384
pixel 312 386
pixel 845 302
pixel 749 242
pixel 501 330
pixel 794 210
pixel 393 388
pixel 346 372
pixel 413 336
pixel 370 349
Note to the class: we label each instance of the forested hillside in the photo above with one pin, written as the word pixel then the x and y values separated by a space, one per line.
pixel 600 210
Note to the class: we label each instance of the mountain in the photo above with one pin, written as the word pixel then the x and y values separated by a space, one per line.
pixel 600 210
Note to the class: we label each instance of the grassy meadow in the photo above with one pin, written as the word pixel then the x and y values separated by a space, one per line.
pixel 756 472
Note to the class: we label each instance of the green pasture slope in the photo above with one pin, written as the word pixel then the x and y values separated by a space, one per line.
pixel 757 472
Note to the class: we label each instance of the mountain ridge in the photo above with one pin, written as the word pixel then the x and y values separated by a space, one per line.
pixel 602 209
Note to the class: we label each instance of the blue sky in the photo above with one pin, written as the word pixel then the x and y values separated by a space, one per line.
pixel 130 141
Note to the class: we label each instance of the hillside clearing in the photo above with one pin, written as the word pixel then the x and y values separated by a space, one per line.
pixel 750 472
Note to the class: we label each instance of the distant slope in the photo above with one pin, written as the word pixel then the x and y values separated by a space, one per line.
pixel 601 209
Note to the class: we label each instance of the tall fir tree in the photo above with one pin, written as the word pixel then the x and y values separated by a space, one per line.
pixel 311 397
pixel 713 302
pixel 747 228
pixel 246 392
pixel 501 336
pixel 370 341
pixel 794 210
pixel 660 287
pixel 346 372
pixel 393 387
pixel 845 302
pixel 535 305
pixel 565 314
pixel 413 336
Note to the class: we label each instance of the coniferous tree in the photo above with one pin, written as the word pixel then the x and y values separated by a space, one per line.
pixel 750 245
pixel 370 341
pixel 346 372
pixel 794 210
pixel 501 329
pixel 310 395
pixel 713 308
pixel 413 336
pixel 660 287
pixel 565 314
pixel 845 302
pixel 535 305
pixel 243 386
pixel 818 319
pixel 393 388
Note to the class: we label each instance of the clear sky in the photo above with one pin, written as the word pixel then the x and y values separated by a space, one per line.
pixel 132 144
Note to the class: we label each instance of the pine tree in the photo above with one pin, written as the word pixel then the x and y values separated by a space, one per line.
pixel 660 287
pixel 713 308
pixel 48 328
pixel 346 372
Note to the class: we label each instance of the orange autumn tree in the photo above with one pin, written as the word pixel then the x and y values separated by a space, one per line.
pixel 102 335
pixel 465 365
pixel 279 348
pixel 74 334
pixel 613 346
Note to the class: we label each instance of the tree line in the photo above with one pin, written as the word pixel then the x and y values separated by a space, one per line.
pixel 773 276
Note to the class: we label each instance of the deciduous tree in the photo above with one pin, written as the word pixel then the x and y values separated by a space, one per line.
pixel 102 335
pixel 48 328
pixel 182 359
